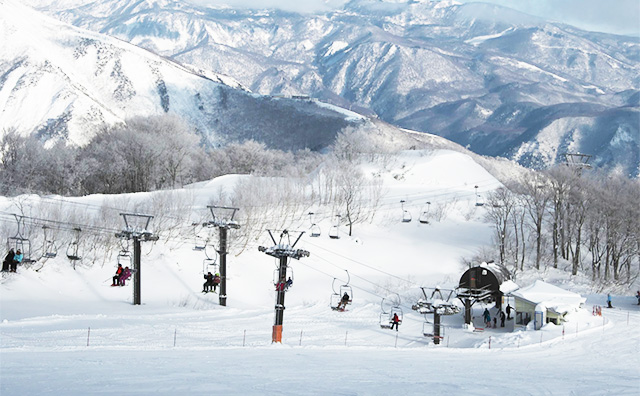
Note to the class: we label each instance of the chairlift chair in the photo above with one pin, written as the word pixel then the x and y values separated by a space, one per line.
pixel 424 216
pixel 388 307
pixel 336 297
pixel 210 265
pixel 276 275
pixel 74 247
pixel 124 258
pixel 386 318
pixel 49 248
pixel 479 201
pixel 335 229
pixel 200 244
pixel 18 242
pixel 314 230
pixel 406 216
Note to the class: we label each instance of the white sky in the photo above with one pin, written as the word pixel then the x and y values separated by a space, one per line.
pixel 616 16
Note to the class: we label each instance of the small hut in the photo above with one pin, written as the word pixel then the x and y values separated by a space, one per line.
pixel 485 283
pixel 544 303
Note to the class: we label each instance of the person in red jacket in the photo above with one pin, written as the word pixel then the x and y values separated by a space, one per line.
pixel 395 321
pixel 116 278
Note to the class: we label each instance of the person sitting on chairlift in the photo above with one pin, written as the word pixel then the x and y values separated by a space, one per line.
pixel 116 278
pixel 208 284
pixel 342 305
pixel 216 281
pixel 126 274
pixel 17 259
pixel 6 264
pixel 288 284
pixel 280 285
pixel 395 321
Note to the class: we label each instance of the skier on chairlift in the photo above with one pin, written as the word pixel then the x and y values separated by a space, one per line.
pixel 17 259
pixel 116 277
pixel 216 281
pixel 208 284
pixel 126 274
pixel 342 305
pixel 288 284
pixel 395 321
pixel 6 264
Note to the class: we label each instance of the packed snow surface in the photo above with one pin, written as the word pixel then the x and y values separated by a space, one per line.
pixel 67 331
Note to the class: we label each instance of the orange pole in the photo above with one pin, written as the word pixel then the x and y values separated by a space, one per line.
pixel 277 334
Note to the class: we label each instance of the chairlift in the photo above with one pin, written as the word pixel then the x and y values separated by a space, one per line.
pixel 73 249
pixel 479 201
pixel 334 231
pixel 210 252
pixel 124 258
pixel 49 249
pixel 428 329
pixel 200 244
pixel 276 276
pixel 314 230
pixel 210 265
pixel 18 242
pixel 406 216
pixel 336 297
pixel 424 216
pixel 390 306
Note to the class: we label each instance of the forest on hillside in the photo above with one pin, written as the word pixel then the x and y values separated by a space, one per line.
pixel 583 221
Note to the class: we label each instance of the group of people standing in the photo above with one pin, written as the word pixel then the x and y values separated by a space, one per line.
pixel 486 316
pixel 11 261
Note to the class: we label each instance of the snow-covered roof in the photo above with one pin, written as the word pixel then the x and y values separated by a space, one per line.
pixel 508 286
pixel 552 297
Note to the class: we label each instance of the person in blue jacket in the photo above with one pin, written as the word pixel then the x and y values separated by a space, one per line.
pixel 609 301
pixel 487 318
pixel 17 259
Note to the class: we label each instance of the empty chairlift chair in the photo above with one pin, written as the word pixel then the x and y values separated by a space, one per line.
pixel 406 216
pixel 73 250
pixel 424 215
pixel 314 230
pixel 479 201
pixel 49 248
pixel 335 228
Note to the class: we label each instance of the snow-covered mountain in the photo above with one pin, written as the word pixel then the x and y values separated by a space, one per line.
pixel 64 82
pixel 488 77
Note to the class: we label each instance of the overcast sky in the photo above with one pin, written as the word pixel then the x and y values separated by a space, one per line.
pixel 612 16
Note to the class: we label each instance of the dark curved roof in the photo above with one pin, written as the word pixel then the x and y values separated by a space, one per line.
pixel 485 276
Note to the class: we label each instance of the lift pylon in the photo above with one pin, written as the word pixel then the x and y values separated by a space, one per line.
pixel 282 250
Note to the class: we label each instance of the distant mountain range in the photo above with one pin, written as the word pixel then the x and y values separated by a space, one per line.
pixel 65 83
pixel 497 81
